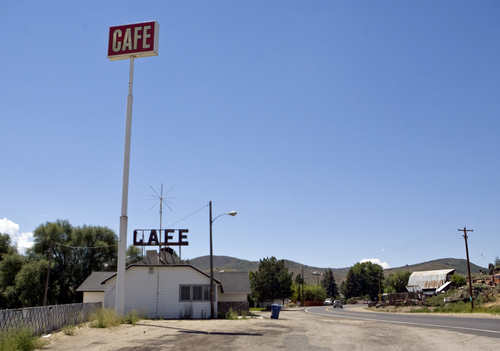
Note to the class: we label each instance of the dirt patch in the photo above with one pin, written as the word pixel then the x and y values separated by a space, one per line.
pixel 293 331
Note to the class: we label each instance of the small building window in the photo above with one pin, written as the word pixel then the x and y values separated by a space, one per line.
pixel 194 292
pixel 151 270
pixel 197 293
pixel 185 293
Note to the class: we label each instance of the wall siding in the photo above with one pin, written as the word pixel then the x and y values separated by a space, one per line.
pixel 141 292
pixel 93 296
pixel 232 297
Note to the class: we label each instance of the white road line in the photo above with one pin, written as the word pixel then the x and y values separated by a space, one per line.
pixel 409 323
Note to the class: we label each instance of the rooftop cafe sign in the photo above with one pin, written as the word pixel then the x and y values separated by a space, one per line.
pixel 133 40
pixel 154 237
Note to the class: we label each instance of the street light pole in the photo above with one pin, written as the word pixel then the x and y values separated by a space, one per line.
pixel 211 266
pixel 230 213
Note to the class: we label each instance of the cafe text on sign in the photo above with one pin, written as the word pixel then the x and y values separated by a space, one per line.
pixel 137 40
pixel 154 237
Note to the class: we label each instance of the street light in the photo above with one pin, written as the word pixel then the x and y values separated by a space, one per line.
pixel 317 274
pixel 230 213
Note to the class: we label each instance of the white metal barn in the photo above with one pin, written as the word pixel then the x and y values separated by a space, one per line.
pixel 429 281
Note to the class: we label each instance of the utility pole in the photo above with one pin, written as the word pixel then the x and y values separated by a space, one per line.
pixel 302 286
pixel 48 274
pixel 468 264
pixel 379 289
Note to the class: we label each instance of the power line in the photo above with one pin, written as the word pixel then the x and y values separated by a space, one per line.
pixel 187 216
pixel 85 247
pixel 479 252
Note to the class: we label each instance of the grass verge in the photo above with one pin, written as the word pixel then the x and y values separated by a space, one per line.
pixel 105 318
pixel 69 329
pixel 20 340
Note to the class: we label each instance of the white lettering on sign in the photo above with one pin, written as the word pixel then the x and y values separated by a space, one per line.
pixel 116 44
pixel 146 36
pixel 137 36
pixel 127 40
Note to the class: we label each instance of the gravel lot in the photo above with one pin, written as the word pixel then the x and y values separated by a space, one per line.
pixel 294 330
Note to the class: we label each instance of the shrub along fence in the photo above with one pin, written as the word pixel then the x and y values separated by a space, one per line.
pixel 43 320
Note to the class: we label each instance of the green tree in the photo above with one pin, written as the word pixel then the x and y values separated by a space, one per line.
pixel 496 264
pixel 271 281
pixel 491 269
pixel 314 293
pixel 458 280
pixel 76 252
pixel 9 267
pixel 328 282
pixel 5 246
pixel 364 279
pixel 134 254
pixel 343 288
pixel 299 282
pixel 10 264
pixel 30 284
pixel 397 282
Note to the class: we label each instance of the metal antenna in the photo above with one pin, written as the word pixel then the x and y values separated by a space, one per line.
pixel 159 198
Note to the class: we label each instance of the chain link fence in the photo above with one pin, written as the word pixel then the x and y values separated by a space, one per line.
pixel 43 320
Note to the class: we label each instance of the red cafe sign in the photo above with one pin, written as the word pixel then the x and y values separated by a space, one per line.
pixel 137 40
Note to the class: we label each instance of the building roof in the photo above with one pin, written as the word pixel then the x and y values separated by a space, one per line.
pixel 93 281
pixel 234 282
pixel 430 279
pixel 231 282
pixel 445 287
pixel 165 257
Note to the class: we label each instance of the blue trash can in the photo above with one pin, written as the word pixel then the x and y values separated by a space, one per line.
pixel 275 311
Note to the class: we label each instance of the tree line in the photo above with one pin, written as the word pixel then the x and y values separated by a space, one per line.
pixel 73 252
pixel 365 280
pixel 272 282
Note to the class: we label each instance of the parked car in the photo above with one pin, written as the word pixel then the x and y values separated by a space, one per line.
pixel 328 302
pixel 337 303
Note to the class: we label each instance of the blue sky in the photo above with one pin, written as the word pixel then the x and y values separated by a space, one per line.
pixel 339 131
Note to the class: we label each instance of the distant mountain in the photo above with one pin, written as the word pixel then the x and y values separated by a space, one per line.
pixel 227 263
pixel 458 264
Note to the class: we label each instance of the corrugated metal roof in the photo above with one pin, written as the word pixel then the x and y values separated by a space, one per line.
pixel 430 279
pixel 443 287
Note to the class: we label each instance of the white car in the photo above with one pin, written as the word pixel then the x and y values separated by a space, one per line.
pixel 328 302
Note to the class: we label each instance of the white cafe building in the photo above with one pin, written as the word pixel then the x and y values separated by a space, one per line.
pixel 159 286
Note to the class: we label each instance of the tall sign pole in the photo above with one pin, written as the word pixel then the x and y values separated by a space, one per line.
pixel 128 42
pixel 122 246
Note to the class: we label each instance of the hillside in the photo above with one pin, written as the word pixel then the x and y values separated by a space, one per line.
pixel 460 266
pixel 227 263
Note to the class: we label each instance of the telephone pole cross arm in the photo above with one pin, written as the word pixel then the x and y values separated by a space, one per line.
pixel 468 264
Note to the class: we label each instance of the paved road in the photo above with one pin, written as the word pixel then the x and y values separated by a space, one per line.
pixel 482 326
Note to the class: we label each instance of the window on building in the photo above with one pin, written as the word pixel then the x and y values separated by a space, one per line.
pixel 185 293
pixel 197 293
pixel 194 292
